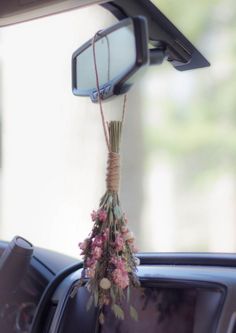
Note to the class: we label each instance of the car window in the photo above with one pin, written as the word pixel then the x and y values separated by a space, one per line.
pixel 178 172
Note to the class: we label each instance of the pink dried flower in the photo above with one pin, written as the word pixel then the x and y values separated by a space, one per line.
pixel 98 241
pixel 94 215
pixel 83 245
pixel 97 253
pixel 102 215
pixel 119 263
pixel 120 278
pixel 119 243
pixel 105 234
pixel 90 262
pixel 114 260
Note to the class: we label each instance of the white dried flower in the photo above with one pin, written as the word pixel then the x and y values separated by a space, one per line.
pixel 124 229
pixel 105 283
pixel 129 236
pixel 137 261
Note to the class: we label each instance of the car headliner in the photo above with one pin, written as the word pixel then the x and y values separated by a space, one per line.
pixel 13 11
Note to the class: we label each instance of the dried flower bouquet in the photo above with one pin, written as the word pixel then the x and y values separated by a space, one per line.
pixel 109 251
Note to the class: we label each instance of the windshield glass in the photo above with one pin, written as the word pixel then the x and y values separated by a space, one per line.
pixel 178 152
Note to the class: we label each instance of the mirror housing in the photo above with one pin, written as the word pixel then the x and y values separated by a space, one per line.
pixel 121 51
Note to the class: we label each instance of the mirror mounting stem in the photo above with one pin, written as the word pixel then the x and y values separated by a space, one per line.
pixel 157 55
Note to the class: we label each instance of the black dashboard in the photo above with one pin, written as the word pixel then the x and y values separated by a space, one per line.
pixel 17 310
pixel 198 295
pixel 214 306
pixel 16 313
pixel 208 297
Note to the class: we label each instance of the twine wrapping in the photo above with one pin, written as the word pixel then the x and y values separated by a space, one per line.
pixel 113 172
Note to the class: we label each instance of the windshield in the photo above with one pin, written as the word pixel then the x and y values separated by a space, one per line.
pixel 178 165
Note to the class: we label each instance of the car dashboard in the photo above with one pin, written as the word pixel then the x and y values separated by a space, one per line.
pixel 184 293
pixel 213 288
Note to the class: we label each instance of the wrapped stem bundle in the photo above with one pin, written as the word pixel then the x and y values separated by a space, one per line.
pixel 109 251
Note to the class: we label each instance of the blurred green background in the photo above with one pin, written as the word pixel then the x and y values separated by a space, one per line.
pixel 191 127
pixel 201 131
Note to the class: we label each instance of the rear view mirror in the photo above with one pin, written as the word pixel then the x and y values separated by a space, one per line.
pixel 120 50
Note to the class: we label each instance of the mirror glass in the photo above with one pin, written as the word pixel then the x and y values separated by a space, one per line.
pixel 115 55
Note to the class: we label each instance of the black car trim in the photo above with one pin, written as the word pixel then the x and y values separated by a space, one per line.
pixel 179 50
pixel 191 258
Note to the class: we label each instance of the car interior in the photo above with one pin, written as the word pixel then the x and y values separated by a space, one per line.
pixel 180 292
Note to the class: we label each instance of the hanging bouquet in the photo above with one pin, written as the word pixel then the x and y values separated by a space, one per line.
pixel 109 251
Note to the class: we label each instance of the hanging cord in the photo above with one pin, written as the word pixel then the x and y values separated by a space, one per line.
pixel 124 108
pixel 98 91
pixel 113 163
